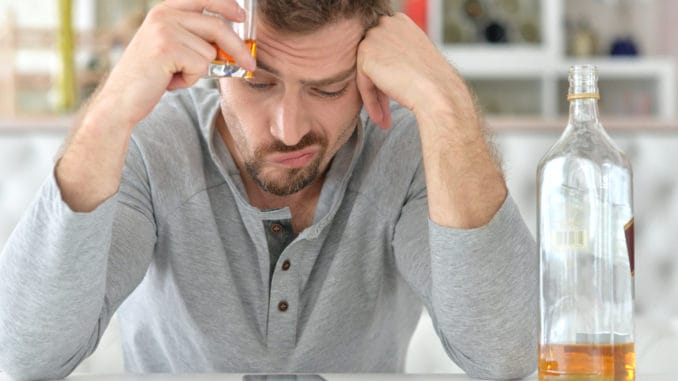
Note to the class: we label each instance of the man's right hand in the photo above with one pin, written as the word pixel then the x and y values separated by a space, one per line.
pixel 171 50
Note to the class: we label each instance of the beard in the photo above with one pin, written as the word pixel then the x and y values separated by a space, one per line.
pixel 292 180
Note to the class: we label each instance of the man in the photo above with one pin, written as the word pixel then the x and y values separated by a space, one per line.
pixel 271 226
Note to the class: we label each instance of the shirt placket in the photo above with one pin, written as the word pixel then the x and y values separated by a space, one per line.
pixel 284 296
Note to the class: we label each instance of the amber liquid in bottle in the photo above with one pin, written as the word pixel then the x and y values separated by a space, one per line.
pixel 224 58
pixel 587 362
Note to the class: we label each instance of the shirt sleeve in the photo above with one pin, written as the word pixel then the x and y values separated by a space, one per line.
pixel 485 294
pixel 480 287
pixel 64 274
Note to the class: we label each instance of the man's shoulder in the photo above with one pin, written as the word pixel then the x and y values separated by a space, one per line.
pixel 390 158
pixel 402 138
pixel 402 115
pixel 180 116
pixel 173 138
pixel 171 145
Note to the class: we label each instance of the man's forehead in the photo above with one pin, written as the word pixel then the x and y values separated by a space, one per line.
pixel 324 53
pixel 344 28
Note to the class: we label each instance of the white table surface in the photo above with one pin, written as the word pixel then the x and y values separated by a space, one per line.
pixel 326 377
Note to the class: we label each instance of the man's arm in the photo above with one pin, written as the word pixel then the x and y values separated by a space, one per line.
pixel 479 286
pixel 465 183
pixel 480 280
pixel 170 51
pixel 65 273
pixel 87 240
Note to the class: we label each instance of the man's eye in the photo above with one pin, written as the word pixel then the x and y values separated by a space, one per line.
pixel 331 94
pixel 259 85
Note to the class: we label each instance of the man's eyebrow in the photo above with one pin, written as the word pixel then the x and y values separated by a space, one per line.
pixel 341 76
pixel 261 65
pixel 331 80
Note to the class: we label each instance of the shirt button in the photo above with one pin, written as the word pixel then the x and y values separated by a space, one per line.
pixel 276 228
pixel 283 306
pixel 286 265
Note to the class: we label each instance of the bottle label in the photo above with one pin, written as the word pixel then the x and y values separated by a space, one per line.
pixel 569 239
pixel 629 233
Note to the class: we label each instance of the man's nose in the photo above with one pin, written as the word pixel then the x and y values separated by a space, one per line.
pixel 290 123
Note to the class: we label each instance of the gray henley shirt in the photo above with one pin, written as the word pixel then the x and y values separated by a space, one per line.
pixel 202 281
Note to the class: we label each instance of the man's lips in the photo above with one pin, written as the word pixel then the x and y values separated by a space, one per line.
pixel 295 159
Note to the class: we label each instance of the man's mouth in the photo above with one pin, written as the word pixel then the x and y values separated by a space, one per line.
pixel 295 159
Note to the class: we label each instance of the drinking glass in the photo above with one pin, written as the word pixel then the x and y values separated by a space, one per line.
pixel 224 65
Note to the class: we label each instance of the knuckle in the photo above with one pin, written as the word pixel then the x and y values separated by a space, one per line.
pixel 222 8
pixel 162 46
pixel 233 7
pixel 156 13
pixel 217 24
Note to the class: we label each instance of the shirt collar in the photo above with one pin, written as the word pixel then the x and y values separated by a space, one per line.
pixel 336 178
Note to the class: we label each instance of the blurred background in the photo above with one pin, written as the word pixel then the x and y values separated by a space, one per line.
pixel 515 55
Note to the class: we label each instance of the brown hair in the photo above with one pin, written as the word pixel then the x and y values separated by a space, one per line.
pixel 304 16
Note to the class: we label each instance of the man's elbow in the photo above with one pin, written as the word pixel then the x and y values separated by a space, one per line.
pixel 508 363
pixel 21 366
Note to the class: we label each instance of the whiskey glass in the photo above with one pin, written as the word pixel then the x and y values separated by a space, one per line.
pixel 224 65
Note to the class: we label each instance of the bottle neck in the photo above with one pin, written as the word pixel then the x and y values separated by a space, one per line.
pixel 584 111
pixel 583 96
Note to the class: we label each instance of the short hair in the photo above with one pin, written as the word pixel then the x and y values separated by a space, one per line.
pixel 305 16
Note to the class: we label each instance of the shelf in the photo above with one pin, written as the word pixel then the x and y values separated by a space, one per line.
pixel 497 61
pixel 550 125
pixel 624 67
pixel 516 62
pixel 43 124
pixel 531 79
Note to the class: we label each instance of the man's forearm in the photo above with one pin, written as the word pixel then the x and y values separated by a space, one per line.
pixel 464 181
pixel 90 169
pixel 484 295
pixel 397 60
pixel 53 271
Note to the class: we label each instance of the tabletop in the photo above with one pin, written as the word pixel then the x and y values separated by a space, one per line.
pixel 306 377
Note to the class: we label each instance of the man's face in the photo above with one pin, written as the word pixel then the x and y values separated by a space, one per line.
pixel 285 124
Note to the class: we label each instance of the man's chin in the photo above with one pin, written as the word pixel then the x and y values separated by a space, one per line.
pixel 294 181
pixel 282 190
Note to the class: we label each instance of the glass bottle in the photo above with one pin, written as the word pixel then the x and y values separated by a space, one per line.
pixel 585 239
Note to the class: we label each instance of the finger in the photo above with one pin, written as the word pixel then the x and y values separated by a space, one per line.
pixel 235 47
pixel 214 29
pixel 195 42
pixel 192 65
pixel 370 95
pixel 227 8
pixel 189 39
pixel 190 55
pixel 170 38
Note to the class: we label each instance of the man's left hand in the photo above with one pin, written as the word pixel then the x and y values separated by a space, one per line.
pixel 464 181
pixel 397 60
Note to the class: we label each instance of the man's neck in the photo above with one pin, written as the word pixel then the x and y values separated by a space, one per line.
pixel 302 204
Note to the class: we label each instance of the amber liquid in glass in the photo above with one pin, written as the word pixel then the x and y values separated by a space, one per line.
pixel 587 362
pixel 224 58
